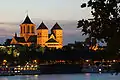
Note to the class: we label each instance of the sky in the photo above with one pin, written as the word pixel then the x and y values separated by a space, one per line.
pixel 65 12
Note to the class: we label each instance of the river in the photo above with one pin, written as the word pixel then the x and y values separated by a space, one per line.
pixel 86 76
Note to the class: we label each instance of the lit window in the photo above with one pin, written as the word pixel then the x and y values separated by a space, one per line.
pixel 28 29
pixel 32 30
pixel 23 29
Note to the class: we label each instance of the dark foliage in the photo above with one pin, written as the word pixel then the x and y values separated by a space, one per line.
pixel 72 52
pixel 105 24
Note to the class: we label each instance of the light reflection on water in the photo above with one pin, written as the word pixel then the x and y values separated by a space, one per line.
pixel 86 76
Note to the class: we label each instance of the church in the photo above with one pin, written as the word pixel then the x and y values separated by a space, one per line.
pixel 29 34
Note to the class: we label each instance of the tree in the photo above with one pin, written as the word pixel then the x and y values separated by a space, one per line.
pixel 105 24
pixel 7 42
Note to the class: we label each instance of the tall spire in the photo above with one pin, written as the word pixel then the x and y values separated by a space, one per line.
pixel 27 19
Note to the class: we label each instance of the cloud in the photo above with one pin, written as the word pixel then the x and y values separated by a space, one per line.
pixel 7 30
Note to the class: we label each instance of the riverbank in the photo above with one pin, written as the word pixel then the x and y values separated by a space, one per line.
pixel 85 76
pixel 54 69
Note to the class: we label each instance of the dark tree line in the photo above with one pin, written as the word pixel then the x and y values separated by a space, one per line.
pixel 73 52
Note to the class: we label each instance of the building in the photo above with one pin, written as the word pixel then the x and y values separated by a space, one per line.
pixel 40 36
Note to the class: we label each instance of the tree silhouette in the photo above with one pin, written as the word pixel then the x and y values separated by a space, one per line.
pixel 105 24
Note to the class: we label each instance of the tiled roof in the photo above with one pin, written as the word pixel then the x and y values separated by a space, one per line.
pixel 19 39
pixel 56 26
pixel 51 41
pixel 32 39
pixel 27 20
pixel 42 26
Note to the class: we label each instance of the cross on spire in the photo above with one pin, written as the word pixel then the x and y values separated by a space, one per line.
pixel 27 12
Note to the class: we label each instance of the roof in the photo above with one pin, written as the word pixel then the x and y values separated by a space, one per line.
pixel 27 20
pixel 56 26
pixel 51 41
pixel 19 39
pixel 32 39
pixel 42 26
pixel 49 35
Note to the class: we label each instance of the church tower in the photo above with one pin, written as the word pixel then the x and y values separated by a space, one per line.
pixel 42 34
pixel 58 32
pixel 27 28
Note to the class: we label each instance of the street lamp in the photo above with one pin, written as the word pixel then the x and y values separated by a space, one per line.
pixel 4 61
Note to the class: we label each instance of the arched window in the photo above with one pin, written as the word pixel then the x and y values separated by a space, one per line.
pixel 28 29
pixel 23 29
pixel 32 30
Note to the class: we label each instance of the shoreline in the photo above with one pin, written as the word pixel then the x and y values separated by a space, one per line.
pixel 58 73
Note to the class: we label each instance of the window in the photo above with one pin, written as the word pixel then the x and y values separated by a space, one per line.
pixel 39 34
pixel 32 30
pixel 52 44
pixel 28 29
pixel 23 29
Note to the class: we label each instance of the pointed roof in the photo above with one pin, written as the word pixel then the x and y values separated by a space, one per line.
pixel 32 39
pixel 56 26
pixel 42 26
pixel 51 41
pixel 27 20
pixel 49 35
pixel 20 39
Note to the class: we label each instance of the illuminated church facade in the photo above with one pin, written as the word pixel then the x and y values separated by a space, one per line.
pixel 40 36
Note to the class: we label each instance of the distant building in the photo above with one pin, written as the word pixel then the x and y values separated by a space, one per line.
pixel 40 36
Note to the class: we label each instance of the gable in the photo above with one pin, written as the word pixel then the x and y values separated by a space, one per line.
pixel 51 36
pixel 13 41
pixel 51 41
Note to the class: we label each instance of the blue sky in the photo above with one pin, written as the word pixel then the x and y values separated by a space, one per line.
pixel 66 12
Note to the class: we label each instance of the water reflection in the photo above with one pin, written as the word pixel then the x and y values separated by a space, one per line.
pixel 86 76
pixel 3 79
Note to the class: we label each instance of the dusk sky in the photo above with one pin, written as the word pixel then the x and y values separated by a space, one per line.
pixel 65 12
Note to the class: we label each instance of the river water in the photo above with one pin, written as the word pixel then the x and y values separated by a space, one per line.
pixel 86 76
